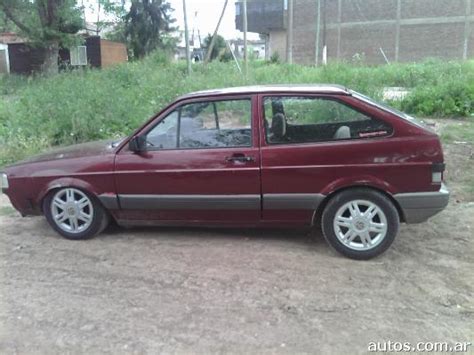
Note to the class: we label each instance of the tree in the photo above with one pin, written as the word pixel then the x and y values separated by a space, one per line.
pixel 219 50
pixel 148 25
pixel 48 24
pixel 5 24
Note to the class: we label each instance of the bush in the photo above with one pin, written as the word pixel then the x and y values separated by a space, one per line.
pixel 275 58
pixel 452 98
pixel 37 113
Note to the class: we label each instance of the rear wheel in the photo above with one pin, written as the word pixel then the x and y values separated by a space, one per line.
pixel 360 223
pixel 74 213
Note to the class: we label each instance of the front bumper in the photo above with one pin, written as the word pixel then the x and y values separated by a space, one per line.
pixel 3 182
pixel 417 207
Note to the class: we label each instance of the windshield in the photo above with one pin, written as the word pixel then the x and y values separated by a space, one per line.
pixel 390 109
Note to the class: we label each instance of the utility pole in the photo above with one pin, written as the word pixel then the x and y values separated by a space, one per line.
pixel 246 64
pixel 84 16
pixel 318 31
pixel 233 56
pixel 289 34
pixel 467 30
pixel 214 36
pixel 97 31
pixel 186 38
pixel 325 48
pixel 397 31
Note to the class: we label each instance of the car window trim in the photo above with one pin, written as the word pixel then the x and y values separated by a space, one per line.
pixel 178 126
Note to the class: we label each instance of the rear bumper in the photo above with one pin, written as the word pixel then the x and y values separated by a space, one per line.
pixel 417 207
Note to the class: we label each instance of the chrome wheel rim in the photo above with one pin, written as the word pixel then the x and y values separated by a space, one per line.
pixel 360 225
pixel 72 210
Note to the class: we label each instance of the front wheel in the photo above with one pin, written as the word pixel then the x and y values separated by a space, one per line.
pixel 360 223
pixel 74 213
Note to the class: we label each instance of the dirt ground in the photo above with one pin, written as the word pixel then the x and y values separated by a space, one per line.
pixel 178 290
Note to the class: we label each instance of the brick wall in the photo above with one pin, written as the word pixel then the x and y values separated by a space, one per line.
pixel 112 53
pixel 363 28
pixel 304 31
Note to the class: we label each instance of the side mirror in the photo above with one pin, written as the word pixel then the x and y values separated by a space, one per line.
pixel 137 144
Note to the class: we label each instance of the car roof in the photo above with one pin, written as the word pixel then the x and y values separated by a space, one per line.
pixel 264 89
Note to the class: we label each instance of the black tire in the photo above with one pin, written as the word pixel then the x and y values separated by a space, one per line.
pixel 366 194
pixel 100 217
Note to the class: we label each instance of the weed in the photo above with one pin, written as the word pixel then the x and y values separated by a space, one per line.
pixel 77 106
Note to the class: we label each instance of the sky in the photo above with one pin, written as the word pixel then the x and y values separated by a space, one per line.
pixel 202 15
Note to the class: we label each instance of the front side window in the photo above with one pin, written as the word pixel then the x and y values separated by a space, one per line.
pixel 316 119
pixel 209 124
pixel 163 135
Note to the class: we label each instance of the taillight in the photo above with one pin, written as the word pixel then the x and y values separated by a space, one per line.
pixel 437 170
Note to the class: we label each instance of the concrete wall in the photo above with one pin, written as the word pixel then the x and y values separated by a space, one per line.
pixel 277 42
pixel 263 16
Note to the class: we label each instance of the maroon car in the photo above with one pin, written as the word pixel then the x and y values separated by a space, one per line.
pixel 252 156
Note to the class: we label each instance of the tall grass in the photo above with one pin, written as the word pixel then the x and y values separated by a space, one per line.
pixel 93 104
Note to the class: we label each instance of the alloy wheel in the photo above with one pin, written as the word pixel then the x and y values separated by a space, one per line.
pixel 72 210
pixel 360 225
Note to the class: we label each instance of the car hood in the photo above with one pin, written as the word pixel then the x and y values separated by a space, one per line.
pixel 74 151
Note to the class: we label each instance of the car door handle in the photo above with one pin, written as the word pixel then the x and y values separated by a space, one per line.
pixel 240 158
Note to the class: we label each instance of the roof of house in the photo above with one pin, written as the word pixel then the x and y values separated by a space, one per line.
pixel 10 38
pixel 286 88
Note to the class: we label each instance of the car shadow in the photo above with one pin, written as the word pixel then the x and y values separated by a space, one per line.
pixel 306 236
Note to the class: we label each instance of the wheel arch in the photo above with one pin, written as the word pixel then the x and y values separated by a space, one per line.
pixel 319 211
pixel 63 183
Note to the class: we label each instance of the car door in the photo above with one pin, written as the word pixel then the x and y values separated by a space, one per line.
pixel 201 164
pixel 312 144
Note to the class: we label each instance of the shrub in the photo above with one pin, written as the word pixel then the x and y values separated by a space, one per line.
pixel 275 58
pixel 77 106
pixel 452 98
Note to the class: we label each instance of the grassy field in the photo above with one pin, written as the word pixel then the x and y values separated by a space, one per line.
pixel 37 113
pixel 458 144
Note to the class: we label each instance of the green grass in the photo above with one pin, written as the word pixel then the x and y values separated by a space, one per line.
pixel 459 135
pixel 460 131
pixel 37 113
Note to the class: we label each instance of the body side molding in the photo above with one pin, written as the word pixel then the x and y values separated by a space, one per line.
pixel 218 202
pixel 190 202
pixel 292 201
pixel 110 201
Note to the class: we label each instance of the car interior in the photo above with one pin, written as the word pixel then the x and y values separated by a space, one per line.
pixel 333 127
pixel 199 126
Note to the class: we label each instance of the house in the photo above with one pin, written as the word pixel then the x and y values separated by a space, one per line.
pixel 375 31
pixel 197 52
pixel 268 18
pixel 19 56
pixel 95 52
pixel 16 56
pixel 256 48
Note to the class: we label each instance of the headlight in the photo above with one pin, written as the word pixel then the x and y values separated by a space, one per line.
pixel 3 181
